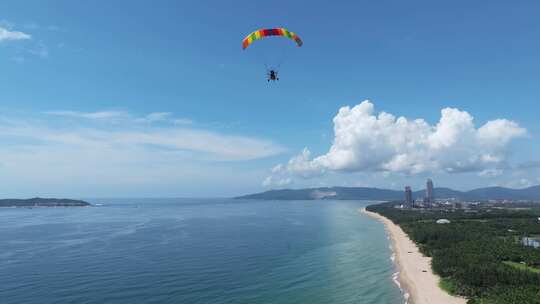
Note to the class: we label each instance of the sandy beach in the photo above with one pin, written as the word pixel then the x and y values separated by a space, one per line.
pixel 415 274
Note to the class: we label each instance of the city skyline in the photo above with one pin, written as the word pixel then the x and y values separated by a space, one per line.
pixel 427 201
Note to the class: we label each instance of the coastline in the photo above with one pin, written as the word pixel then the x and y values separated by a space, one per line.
pixel 415 276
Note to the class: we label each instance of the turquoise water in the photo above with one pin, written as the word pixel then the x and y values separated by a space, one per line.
pixel 195 251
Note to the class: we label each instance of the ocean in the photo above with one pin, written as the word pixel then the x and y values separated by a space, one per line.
pixel 195 251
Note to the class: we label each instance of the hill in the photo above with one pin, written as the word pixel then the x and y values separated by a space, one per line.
pixel 365 193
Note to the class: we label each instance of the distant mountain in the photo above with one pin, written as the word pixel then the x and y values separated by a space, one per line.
pixel 364 193
pixel 441 193
pixel 327 193
pixel 505 193
pixel 42 202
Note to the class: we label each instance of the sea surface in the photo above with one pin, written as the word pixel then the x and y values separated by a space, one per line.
pixel 195 251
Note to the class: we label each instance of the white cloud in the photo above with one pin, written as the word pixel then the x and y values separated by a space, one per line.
pixel 157 116
pixel 7 35
pixel 182 121
pixel 101 115
pixel 47 153
pixel 35 26
pixel 490 173
pixel 369 141
pixel 302 165
pixel 163 117
pixel 271 181
pixel 122 116
pixel 126 133
pixel 36 48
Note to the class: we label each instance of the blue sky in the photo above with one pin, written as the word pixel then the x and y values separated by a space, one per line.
pixel 137 99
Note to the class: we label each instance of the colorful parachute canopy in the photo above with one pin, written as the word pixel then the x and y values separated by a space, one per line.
pixel 259 34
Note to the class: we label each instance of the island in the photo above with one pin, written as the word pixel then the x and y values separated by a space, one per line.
pixel 43 202
pixel 486 253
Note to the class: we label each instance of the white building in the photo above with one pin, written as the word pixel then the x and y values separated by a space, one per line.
pixel 443 221
pixel 527 241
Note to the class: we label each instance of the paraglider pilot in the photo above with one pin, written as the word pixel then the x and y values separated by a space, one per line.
pixel 272 75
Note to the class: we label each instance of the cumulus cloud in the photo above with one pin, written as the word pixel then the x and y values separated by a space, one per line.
pixel 272 181
pixel 366 141
pixel 7 35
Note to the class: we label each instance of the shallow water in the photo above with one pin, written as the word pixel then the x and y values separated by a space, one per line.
pixel 195 251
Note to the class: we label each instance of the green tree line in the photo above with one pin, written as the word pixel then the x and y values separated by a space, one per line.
pixel 473 252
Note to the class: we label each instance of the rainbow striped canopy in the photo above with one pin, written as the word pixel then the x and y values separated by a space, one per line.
pixel 259 34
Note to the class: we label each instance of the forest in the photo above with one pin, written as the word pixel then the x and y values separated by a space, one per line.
pixel 478 255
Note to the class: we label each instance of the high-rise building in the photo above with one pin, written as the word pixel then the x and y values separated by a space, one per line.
pixel 408 197
pixel 429 192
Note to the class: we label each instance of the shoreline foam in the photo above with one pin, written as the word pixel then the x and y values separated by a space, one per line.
pixel 414 275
